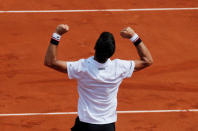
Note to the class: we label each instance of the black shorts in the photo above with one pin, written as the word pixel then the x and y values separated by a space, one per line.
pixel 82 126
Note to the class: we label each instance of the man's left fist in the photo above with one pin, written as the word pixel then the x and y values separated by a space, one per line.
pixel 62 28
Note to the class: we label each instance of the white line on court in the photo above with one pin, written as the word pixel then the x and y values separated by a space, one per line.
pixel 119 112
pixel 97 10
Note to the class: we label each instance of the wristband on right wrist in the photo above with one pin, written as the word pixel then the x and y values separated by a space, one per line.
pixel 55 39
pixel 136 40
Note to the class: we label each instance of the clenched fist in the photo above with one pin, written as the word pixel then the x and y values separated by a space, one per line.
pixel 62 28
pixel 127 32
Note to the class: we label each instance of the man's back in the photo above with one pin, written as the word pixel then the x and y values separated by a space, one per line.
pixel 98 86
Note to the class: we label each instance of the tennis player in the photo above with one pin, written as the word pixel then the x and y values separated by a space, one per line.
pixel 98 77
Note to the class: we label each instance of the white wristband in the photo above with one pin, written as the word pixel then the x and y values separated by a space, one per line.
pixel 56 36
pixel 134 38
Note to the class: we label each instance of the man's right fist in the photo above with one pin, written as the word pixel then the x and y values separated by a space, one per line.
pixel 127 32
pixel 62 28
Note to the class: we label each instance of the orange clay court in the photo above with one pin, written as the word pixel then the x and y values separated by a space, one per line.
pixel 171 83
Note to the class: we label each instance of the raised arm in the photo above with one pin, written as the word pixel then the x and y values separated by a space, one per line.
pixel 143 52
pixel 50 57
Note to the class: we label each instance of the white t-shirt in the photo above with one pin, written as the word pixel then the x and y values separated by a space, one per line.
pixel 98 86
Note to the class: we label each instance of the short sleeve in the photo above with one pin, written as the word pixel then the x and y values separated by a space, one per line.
pixel 126 68
pixel 74 68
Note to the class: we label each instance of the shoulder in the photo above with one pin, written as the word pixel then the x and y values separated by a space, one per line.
pixel 77 61
pixel 125 67
pixel 123 63
pixel 120 61
pixel 75 64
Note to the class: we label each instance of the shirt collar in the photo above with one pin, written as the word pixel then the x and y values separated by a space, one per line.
pixel 99 64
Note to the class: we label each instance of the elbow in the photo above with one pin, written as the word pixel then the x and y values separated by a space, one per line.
pixel 143 63
pixel 49 63
pixel 148 62
pixel 46 63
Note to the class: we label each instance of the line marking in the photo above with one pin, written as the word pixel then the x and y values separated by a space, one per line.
pixel 119 112
pixel 97 10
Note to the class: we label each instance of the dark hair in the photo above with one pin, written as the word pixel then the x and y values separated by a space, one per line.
pixel 105 47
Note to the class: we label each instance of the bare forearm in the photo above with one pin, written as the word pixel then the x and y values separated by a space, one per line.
pixel 50 57
pixel 144 54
